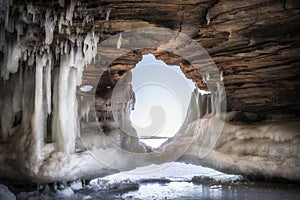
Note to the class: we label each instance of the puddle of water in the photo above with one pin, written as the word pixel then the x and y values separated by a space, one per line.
pixel 189 190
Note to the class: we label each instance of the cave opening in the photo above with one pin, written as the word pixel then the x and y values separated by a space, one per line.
pixel 158 91
pixel 162 95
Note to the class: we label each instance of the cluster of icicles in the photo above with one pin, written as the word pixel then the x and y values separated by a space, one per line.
pixel 21 47
pixel 25 29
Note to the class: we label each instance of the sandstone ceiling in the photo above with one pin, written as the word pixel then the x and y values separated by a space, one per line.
pixel 255 43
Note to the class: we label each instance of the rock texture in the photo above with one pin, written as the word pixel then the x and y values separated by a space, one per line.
pixel 255 44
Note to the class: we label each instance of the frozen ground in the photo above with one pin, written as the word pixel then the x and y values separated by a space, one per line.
pixel 169 181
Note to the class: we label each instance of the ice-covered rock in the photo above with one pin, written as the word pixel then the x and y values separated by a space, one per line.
pixel 76 185
pixel 66 192
pixel 6 194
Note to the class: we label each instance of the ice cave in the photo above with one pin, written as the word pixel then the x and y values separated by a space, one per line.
pixel 71 91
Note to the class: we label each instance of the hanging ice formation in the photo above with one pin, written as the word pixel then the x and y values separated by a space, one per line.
pixel 44 108
pixel 119 43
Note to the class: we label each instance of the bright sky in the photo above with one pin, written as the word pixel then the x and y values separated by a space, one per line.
pixel 162 97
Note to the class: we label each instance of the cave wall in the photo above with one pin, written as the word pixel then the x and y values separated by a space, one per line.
pixel 254 43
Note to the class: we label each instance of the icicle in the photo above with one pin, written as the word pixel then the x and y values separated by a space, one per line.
pixel 220 97
pixel 7 15
pixel 108 14
pixel 212 100
pixel 60 22
pixel 90 47
pixel 207 18
pixel 68 31
pixel 72 60
pixel 48 82
pixel 31 59
pixel 221 76
pixel 84 20
pixel 31 10
pixel 19 29
pixel 66 47
pixel 49 28
pixel 69 12
pixel 25 54
pixel 79 41
pixel 206 77
pixel 67 105
pixel 61 47
pixel 119 41
pixel 61 3
pixel 57 51
pixel 79 64
pixel 13 56
pixel 38 117
pixel 77 31
pixel 2 39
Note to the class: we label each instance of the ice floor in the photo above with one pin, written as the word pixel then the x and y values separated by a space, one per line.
pixel 170 181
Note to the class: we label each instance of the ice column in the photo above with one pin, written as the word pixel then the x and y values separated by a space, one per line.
pixel 70 72
pixel 39 117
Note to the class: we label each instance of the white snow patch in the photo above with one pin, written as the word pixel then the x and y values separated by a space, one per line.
pixel 86 197
pixel 77 185
pixel 67 192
